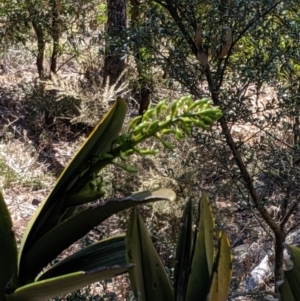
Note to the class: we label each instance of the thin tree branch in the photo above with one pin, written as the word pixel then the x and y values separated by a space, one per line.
pixel 173 12
pixel 288 214
pixel 279 236
pixel 292 229
pixel 64 63
pixel 162 4
pixel 242 33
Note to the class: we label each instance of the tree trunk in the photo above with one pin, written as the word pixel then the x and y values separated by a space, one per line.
pixel 144 80
pixel 116 25
pixel 41 48
pixel 55 33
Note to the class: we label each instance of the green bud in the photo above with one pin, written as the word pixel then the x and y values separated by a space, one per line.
pixel 207 120
pixel 140 127
pixel 105 156
pixel 178 133
pixel 198 104
pixel 134 122
pixel 166 131
pixel 151 106
pixel 184 100
pixel 123 156
pixel 93 184
pixel 148 152
pixel 125 137
pixel 136 138
pixel 199 123
pixel 129 152
pixel 154 125
pixel 144 152
pixel 174 108
pixel 122 138
pixel 160 107
pixel 164 108
pixel 158 136
pixel 100 185
pixel 164 124
pixel 212 112
pixel 167 144
pixel 186 120
pixel 186 128
pixel 219 114
pixel 185 108
pixel 148 114
pixel 204 107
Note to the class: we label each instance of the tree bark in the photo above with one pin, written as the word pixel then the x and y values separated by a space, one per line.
pixel 144 83
pixel 55 33
pixel 116 24
pixel 41 48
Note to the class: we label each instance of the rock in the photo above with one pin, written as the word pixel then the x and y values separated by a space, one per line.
pixel 259 275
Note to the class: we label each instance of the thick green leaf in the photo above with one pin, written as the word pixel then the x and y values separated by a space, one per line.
pixel 107 252
pixel 209 226
pixel 224 267
pixel 183 253
pixel 72 229
pixel 148 278
pixel 291 287
pixel 203 253
pixel 293 284
pixel 286 292
pixel 50 288
pixel 99 142
pixel 73 179
pixel 222 271
pixel 8 248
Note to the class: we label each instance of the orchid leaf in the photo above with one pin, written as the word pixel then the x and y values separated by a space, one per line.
pixel 8 248
pixel 50 288
pixel 52 210
pixel 70 230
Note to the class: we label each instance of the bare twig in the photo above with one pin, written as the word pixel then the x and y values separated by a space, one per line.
pixel 288 214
